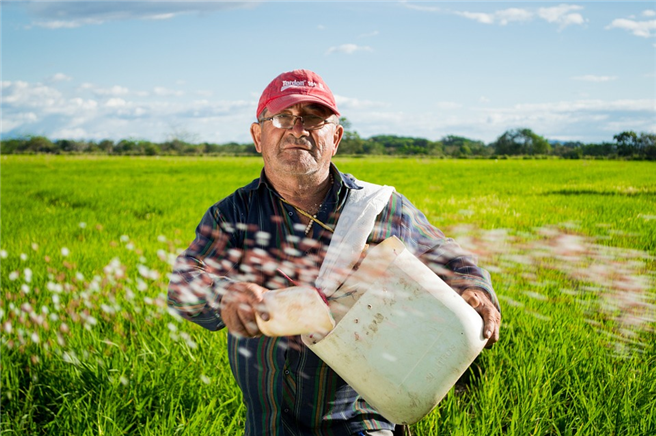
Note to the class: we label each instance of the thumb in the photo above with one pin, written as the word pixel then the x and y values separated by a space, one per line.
pixel 471 298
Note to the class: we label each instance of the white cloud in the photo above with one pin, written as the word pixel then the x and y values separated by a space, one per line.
pixel 24 94
pixel 348 103
pixel 59 77
pixel 37 108
pixel 161 16
pixel 114 90
pixel 164 92
pixel 59 24
pixel 421 8
pixel 71 14
pixel 19 119
pixel 348 49
pixel 591 105
pixel 586 120
pixel 499 17
pixel 562 15
pixel 649 13
pixel 115 102
pixel 74 133
pixel 644 29
pixel 593 78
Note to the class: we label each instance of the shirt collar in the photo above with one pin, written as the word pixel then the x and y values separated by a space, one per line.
pixel 340 179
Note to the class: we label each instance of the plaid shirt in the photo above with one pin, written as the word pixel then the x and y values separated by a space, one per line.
pixel 248 236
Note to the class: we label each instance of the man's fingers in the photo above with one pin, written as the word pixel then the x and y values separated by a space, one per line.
pixel 247 317
pixel 491 321
pixel 471 298
pixel 491 316
pixel 262 311
pixel 238 307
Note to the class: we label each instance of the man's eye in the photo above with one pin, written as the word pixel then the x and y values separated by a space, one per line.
pixel 284 117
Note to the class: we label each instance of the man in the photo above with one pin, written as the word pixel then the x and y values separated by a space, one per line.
pixel 273 233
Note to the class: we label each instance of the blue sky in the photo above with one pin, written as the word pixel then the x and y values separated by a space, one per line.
pixel 151 70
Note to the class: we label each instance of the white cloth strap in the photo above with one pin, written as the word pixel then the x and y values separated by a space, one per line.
pixel 350 237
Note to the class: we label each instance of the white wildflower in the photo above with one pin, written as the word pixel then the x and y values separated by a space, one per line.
pixel 27 275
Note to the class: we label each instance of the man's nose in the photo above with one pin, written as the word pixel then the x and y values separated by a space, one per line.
pixel 299 129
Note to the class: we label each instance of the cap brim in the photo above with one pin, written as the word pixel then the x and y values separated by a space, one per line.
pixel 282 103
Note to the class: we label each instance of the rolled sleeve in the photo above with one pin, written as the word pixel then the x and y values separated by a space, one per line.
pixel 201 272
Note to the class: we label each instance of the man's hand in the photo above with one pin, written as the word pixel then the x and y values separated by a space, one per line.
pixel 238 307
pixel 481 302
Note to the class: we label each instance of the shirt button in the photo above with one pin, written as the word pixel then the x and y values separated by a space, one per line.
pixel 286 410
pixel 286 372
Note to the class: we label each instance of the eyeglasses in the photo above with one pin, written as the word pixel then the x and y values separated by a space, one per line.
pixel 288 121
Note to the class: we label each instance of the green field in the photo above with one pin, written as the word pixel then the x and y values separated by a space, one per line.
pixel 89 348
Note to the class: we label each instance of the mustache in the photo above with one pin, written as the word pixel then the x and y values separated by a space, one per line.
pixel 298 142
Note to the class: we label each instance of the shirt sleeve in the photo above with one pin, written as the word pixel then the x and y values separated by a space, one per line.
pixel 442 255
pixel 202 270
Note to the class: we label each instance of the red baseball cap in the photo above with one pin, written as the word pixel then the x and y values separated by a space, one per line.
pixel 292 87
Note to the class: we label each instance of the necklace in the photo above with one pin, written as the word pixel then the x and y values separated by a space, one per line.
pixel 313 218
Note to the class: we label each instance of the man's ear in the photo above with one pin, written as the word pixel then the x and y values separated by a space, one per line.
pixel 337 137
pixel 256 134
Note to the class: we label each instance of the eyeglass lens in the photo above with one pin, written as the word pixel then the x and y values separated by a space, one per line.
pixel 285 121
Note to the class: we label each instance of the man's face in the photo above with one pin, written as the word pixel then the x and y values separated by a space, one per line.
pixel 296 151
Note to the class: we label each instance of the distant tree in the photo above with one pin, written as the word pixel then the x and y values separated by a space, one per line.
pixel 106 145
pixel 521 141
pixel 459 146
pixel 374 148
pixel 606 149
pixel 403 145
pixel 628 143
pixel 648 145
pixel 351 142
pixel 39 144
pixel 135 147
pixel 151 149
pixel 70 146
pixel 12 145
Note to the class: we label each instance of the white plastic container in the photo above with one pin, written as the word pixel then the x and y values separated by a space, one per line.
pixel 403 336
pixel 295 311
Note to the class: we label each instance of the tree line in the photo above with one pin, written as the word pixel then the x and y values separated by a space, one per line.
pixel 514 142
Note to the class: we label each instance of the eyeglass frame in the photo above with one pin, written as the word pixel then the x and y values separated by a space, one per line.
pixel 325 121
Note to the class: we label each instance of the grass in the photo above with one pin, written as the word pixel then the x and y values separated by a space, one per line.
pixel 89 348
